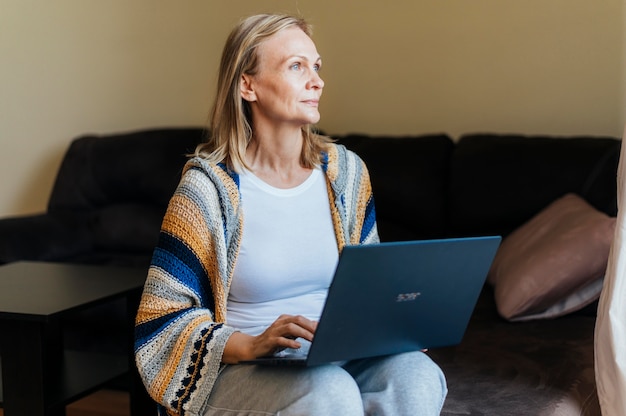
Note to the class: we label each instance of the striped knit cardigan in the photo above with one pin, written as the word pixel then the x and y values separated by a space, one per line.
pixel 181 327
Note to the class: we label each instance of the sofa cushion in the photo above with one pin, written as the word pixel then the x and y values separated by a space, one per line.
pixel 553 264
pixel 528 368
pixel 136 167
pixel 498 182
pixel 409 178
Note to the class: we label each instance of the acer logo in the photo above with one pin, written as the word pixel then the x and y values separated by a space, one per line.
pixel 407 297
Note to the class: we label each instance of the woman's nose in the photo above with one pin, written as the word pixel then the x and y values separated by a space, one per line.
pixel 316 81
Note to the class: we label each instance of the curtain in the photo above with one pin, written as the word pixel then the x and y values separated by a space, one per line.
pixel 610 332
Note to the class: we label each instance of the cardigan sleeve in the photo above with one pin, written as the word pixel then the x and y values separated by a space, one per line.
pixel 179 332
pixel 352 201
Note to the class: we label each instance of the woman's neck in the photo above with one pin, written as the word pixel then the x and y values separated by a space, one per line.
pixel 275 158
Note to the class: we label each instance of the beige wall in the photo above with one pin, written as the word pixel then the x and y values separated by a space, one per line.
pixel 75 66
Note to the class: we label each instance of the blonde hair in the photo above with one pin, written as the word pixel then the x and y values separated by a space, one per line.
pixel 230 123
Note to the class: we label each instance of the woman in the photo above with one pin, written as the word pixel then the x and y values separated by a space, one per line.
pixel 248 247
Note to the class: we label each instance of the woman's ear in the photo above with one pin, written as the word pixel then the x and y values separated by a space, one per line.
pixel 245 86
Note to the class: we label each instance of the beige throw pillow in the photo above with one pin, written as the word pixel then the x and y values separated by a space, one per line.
pixel 554 264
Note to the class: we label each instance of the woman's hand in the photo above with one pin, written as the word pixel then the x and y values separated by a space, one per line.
pixel 281 334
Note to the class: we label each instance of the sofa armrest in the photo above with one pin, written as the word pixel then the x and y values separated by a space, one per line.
pixel 43 237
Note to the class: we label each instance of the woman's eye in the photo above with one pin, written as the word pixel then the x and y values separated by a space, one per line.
pixel 295 67
pixel 317 67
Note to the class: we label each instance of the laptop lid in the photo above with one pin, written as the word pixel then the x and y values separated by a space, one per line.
pixel 395 297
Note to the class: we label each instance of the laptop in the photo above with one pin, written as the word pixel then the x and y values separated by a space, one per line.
pixel 396 297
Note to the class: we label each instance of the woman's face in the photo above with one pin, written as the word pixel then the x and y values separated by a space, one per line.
pixel 287 87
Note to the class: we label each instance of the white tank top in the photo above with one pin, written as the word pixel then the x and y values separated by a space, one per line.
pixel 288 253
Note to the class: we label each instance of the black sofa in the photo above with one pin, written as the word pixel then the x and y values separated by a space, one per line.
pixel 111 192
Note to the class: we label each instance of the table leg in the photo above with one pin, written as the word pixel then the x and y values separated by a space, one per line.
pixel 31 364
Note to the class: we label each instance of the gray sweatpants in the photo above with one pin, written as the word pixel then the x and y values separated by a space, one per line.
pixel 404 384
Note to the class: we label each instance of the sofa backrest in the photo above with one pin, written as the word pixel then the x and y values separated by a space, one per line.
pixel 498 182
pixel 409 176
pixel 425 186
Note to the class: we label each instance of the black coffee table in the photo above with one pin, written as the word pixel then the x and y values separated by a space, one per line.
pixel 39 376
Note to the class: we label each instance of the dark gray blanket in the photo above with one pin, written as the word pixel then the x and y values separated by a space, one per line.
pixel 542 368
